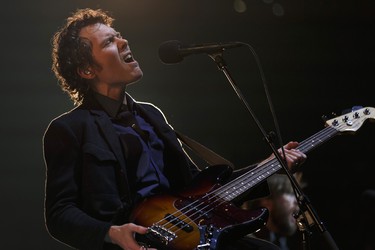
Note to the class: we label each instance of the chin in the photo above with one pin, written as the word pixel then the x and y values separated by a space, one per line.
pixel 135 78
pixel 138 76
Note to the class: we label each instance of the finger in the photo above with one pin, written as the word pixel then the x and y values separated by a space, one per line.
pixel 291 159
pixel 297 153
pixel 128 241
pixel 291 144
pixel 138 229
pixel 301 157
pixel 296 160
pixel 289 152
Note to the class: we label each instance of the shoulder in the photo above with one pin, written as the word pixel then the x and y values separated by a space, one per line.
pixel 151 108
pixel 71 122
pixel 153 113
pixel 147 108
pixel 75 115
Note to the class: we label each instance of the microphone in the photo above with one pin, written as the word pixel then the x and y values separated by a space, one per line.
pixel 174 51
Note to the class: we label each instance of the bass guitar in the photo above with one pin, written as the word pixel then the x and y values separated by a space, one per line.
pixel 204 216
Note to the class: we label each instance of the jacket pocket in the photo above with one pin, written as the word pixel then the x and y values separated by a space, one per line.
pixel 99 153
pixel 99 170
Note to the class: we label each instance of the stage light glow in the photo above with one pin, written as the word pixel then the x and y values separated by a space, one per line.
pixel 278 9
pixel 239 6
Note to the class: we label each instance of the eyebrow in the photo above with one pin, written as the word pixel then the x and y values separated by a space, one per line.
pixel 106 37
pixel 109 35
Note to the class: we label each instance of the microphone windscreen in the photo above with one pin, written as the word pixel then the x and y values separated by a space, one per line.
pixel 169 52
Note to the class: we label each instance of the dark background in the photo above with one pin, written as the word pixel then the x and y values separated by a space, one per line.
pixel 317 56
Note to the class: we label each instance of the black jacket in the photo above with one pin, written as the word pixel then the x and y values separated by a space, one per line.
pixel 86 182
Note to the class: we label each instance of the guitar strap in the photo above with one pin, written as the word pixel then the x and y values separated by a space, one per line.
pixel 205 153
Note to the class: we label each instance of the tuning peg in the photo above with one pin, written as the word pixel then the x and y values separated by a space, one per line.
pixel 326 117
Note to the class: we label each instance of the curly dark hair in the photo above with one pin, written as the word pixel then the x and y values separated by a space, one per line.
pixel 70 52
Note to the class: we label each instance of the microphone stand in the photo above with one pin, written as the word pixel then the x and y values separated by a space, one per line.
pixel 307 216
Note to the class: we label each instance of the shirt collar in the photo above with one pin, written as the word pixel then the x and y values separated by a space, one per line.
pixel 112 106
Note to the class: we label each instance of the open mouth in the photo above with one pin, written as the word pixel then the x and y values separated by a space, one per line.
pixel 128 58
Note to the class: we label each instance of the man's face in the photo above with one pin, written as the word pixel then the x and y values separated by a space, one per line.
pixel 284 206
pixel 112 53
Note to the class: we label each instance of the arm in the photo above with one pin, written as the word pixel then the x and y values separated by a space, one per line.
pixel 65 220
pixel 294 158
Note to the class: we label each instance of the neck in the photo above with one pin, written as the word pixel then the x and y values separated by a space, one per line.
pixel 115 92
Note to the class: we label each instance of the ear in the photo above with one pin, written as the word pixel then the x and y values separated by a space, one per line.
pixel 87 73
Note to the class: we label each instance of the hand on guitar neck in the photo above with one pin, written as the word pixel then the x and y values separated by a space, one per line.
pixel 294 157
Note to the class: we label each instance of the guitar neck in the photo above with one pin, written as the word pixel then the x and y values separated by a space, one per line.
pixel 253 177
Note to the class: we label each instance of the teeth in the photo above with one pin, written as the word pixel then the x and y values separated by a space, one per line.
pixel 128 58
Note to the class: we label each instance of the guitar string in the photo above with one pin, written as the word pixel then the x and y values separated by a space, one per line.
pixel 225 187
pixel 326 133
pixel 259 176
pixel 304 147
pixel 264 169
pixel 312 140
pixel 218 192
pixel 216 202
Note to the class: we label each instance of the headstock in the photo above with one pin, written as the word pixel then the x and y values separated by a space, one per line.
pixel 352 121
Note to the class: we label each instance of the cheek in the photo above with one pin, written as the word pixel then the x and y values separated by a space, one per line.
pixel 111 68
pixel 107 58
pixel 112 62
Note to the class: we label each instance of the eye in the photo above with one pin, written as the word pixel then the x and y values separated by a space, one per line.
pixel 108 41
pixel 111 39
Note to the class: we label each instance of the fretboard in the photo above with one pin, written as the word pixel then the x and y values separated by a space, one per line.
pixel 253 177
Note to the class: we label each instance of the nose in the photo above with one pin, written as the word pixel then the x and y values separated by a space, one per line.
pixel 122 44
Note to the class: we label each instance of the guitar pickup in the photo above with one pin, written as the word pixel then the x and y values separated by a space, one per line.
pixel 178 222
